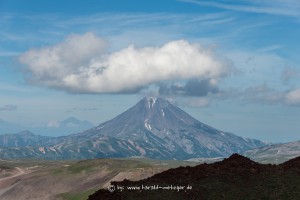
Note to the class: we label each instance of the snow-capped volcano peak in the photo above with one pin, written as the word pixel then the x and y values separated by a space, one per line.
pixel 151 101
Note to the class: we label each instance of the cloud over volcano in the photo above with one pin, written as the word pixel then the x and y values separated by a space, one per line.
pixel 83 64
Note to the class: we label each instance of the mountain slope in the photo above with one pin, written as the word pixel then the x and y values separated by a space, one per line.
pixel 276 153
pixel 236 177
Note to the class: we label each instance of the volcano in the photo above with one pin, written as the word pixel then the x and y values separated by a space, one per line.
pixel 153 128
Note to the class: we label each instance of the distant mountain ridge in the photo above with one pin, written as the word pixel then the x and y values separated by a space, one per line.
pixel 276 153
pixel 64 127
pixel 23 139
pixel 153 128
pixel 54 128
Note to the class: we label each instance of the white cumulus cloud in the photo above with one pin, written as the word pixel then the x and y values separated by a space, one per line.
pixel 82 63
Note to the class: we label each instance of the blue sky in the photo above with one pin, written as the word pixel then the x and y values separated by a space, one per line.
pixel 231 64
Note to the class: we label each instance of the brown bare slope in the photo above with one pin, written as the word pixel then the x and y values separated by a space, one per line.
pixel 236 177
pixel 72 180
